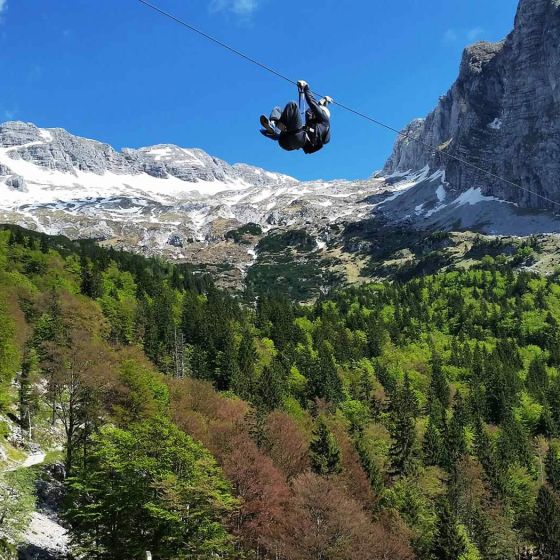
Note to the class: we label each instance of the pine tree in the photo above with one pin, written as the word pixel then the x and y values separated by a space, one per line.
pixel 44 244
pixel 373 472
pixel 433 446
pixel 502 385
pixel 552 467
pixel 192 319
pixel 537 379
pixel 439 388
pixel 199 363
pixel 324 452
pixel 552 340
pixel 376 335
pixel 448 543
pixel 553 400
pixel 244 384
pixel 90 279
pixel 456 358
pixel 546 524
pixel 324 380
pixel 486 455
pixel 484 537
pixel 404 409
pixel 227 367
pixel 365 386
pixel 271 386
pixel 546 425
pixel 456 440
pixel 512 444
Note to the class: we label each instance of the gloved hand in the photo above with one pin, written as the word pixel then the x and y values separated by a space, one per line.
pixel 302 85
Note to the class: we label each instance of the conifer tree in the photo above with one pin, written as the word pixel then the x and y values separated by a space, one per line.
pixel 373 472
pixel 247 357
pixel 456 441
pixel 90 279
pixel 553 400
pixel 456 358
pixel 404 409
pixel 256 421
pixel 512 444
pixel 365 386
pixel 433 445
pixel 537 379
pixel 324 453
pixel 552 467
pixel 227 368
pixel 546 425
pixel 439 388
pixel 271 386
pixel 546 524
pixel 486 455
pixel 13 239
pixel 552 340
pixel 324 380
pixel 376 335
pixel 44 244
pixel 448 543
pixel 502 385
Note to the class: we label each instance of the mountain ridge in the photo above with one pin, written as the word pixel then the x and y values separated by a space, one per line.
pixel 163 200
pixel 502 114
pixel 186 205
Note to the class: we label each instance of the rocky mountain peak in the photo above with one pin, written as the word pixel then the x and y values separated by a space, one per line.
pixel 57 150
pixel 502 114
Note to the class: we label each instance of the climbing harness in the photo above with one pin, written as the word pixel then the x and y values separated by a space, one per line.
pixel 430 147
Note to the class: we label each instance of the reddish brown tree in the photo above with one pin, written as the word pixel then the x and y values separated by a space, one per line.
pixel 332 526
pixel 287 444
pixel 199 410
pixel 265 497
pixel 353 476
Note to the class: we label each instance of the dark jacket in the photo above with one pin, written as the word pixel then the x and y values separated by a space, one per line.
pixel 317 125
pixel 293 140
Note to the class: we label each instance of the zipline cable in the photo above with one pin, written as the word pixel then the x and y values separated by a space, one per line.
pixel 405 135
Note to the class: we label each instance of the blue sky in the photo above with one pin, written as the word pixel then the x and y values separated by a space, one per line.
pixel 116 71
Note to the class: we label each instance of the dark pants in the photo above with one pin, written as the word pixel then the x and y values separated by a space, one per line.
pixel 293 137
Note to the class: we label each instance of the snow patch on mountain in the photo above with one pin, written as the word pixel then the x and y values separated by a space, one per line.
pixel 496 124
pixel 474 196
pixel 162 199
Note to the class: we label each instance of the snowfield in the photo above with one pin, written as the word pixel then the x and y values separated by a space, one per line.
pixel 56 183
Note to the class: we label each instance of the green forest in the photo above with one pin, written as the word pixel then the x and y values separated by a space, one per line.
pixel 409 419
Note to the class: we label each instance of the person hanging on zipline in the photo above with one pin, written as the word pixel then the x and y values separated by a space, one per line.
pixel 287 128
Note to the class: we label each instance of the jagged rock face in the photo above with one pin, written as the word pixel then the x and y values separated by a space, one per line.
pixel 189 165
pixel 57 150
pixel 408 154
pixel 502 114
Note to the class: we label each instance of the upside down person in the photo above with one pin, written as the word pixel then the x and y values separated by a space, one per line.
pixel 287 128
